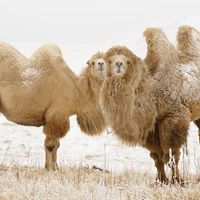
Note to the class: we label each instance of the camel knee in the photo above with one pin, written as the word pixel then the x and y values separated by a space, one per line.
pixel 56 129
pixel 51 144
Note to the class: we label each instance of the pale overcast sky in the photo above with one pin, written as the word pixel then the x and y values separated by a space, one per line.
pixel 73 22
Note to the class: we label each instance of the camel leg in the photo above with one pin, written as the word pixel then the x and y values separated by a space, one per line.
pixel 197 123
pixel 156 153
pixel 175 170
pixel 161 176
pixel 51 147
pixel 56 127
pixel 173 133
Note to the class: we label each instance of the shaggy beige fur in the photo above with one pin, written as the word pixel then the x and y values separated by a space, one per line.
pixel 188 41
pixel 157 120
pixel 120 93
pixel 188 45
pixel 43 91
pixel 164 53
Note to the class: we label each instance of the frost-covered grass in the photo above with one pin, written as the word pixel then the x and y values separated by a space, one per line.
pixel 132 172
pixel 78 183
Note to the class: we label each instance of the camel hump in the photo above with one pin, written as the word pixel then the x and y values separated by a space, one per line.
pixel 188 41
pixel 9 51
pixel 159 49
pixel 49 56
pixel 48 53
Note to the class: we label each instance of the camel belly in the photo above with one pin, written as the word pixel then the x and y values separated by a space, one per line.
pixel 26 121
pixel 23 108
pixel 28 117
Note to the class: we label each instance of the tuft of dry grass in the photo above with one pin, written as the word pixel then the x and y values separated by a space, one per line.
pixel 80 183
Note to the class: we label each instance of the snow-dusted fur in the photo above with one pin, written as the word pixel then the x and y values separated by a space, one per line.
pixel 43 91
pixel 169 91
pixel 188 45
pixel 160 118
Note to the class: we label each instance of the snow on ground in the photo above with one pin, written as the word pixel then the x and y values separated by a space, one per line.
pixel 24 145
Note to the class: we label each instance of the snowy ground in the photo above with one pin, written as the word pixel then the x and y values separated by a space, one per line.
pixel 24 145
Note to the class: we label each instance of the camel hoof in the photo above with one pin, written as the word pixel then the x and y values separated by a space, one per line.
pixel 162 181
pixel 178 180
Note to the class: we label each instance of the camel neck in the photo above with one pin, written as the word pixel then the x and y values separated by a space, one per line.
pixel 88 91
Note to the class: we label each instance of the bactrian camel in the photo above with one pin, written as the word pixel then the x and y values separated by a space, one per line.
pixel 43 91
pixel 151 102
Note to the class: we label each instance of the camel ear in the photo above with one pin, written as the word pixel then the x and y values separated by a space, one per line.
pixel 159 50
pixel 90 62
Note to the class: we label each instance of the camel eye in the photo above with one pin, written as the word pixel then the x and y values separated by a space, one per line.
pixel 93 63
pixel 110 62
pixel 128 62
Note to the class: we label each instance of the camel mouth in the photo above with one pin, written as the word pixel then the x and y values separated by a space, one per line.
pixel 101 69
pixel 119 71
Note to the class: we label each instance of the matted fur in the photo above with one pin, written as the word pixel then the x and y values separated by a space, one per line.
pixel 188 46
pixel 177 82
pixel 120 99
pixel 160 51
pixel 44 91
pixel 174 94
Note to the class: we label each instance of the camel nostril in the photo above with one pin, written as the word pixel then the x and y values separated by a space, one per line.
pixel 119 64
pixel 100 63
pixel 100 66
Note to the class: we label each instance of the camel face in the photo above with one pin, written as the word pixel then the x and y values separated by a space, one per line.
pixel 98 68
pixel 118 65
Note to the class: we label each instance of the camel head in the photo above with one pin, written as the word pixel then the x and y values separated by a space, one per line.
pixel 122 63
pixel 119 65
pixel 97 66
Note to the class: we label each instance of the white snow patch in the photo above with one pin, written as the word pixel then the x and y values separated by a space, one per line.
pixel 23 145
pixel 29 74
pixel 189 72
pixel 191 82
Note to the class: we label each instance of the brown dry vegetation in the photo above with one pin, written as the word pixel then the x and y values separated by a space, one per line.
pixel 78 183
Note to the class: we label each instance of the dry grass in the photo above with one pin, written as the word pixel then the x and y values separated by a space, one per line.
pixel 78 183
